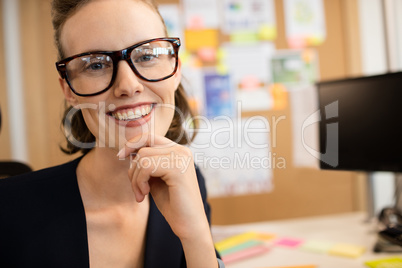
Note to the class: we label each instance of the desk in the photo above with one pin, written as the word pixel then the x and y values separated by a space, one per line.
pixel 351 228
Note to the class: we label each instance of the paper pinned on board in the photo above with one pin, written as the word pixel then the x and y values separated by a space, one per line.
pixel 235 155
pixel 305 22
pixel 171 16
pixel 201 14
pixel 255 17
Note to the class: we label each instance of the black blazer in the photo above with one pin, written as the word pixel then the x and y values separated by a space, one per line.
pixel 43 224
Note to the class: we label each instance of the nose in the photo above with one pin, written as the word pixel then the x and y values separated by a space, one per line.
pixel 126 82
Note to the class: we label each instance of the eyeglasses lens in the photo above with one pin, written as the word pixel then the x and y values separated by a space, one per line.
pixel 93 73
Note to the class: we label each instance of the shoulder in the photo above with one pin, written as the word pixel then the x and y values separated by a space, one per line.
pixel 40 175
pixel 42 211
pixel 33 196
pixel 39 183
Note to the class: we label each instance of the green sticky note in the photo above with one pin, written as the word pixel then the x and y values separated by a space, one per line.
pixel 240 247
pixel 244 37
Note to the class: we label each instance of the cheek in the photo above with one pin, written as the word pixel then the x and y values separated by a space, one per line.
pixel 92 120
pixel 163 118
pixel 87 118
pixel 165 90
pixel 93 110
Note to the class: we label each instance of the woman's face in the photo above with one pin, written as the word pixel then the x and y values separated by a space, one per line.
pixel 109 25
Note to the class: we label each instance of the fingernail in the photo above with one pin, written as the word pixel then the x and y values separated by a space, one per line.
pixel 120 153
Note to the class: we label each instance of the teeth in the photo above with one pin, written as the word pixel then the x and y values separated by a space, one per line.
pixel 133 114
pixel 138 113
pixel 130 115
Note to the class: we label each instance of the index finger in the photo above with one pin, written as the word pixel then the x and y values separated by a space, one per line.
pixel 144 140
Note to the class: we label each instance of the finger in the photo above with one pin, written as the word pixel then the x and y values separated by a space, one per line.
pixel 140 174
pixel 142 168
pixel 144 140
pixel 133 145
pixel 139 196
pixel 133 175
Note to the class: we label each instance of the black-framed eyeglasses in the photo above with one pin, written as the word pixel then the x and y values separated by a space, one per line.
pixel 92 73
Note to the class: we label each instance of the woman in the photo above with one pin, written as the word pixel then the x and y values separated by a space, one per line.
pixel 145 207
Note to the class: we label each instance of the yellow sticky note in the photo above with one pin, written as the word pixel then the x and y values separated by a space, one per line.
pixel 221 54
pixel 385 263
pixel 222 69
pixel 267 32
pixel 234 240
pixel 315 40
pixel 185 56
pixel 197 39
pixel 240 238
pixel 347 250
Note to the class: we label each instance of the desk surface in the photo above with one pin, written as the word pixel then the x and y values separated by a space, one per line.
pixel 351 228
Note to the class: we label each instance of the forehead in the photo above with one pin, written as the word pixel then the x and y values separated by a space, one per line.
pixel 110 25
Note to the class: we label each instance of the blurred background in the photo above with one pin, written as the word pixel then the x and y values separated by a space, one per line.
pixel 241 60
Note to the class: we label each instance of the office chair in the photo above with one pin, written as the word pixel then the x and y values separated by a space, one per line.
pixel 12 168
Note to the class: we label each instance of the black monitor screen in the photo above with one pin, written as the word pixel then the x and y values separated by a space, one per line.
pixel 361 123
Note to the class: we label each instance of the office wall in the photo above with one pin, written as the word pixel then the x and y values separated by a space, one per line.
pixel 297 191
pixel 4 133
pixel 372 37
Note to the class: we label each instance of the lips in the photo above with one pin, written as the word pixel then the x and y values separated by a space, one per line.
pixel 132 113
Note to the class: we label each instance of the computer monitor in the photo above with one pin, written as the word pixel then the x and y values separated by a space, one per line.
pixel 361 123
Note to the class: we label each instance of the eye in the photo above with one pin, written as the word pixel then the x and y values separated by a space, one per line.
pixel 96 66
pixel 144 58
pixel 97 63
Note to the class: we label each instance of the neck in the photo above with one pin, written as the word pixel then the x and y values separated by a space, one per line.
pixel 103 178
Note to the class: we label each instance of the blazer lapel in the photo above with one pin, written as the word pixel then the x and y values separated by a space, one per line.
pixel 163 248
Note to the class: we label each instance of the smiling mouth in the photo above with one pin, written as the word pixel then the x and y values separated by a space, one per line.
pixel 132 114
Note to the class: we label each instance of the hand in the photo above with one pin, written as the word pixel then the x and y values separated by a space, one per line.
pixel 166 170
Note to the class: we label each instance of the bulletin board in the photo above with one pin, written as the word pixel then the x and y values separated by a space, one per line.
pixel 301 191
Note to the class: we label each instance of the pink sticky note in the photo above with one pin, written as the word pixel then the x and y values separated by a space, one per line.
pixel 247 253
pixel 207 54
pixel 250 82
pixel 289 242
pixel 297 42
